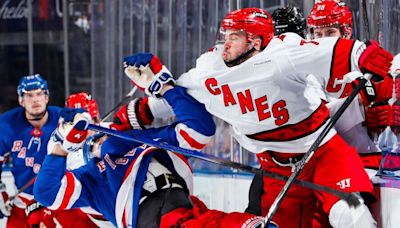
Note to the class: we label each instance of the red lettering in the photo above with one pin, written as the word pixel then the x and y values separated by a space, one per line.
pixel 110 162
pixel 22 153
pixel 262 106
pixel 102 166
pixel 29 161
pixel 280 112
pixel 228 96
pixel 282 37
pixel 302 42
pixel 211 83
pixel 121 161
pixel 16 145
pixel 245 101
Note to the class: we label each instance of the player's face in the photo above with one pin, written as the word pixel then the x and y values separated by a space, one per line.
pixel 235 44
pixel 327 32
pixel 35 103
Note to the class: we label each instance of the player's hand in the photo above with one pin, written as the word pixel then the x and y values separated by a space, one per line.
pixel 134 115
pixel 375 60
pixel 378 116
pixel 5 208
pixel 92 146
pixel 376 92
pixel 72 130
pixel 147 73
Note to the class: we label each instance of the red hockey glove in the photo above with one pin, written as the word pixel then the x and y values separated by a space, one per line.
pixel 375 60
pixel 395 124
pixel 147 73
pixel 376 92
pixel 378 116
pixel 38 215
pixel 397 87
pixel 134 115
pixel 5 209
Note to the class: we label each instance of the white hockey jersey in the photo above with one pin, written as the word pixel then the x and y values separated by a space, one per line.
pixel 266 98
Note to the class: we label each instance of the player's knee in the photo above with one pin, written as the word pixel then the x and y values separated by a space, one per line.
pixel 342 215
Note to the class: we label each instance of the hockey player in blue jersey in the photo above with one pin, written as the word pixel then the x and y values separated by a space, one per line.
pixel 135 185
pixel 25 132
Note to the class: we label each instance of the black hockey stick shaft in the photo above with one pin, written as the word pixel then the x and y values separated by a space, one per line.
pixel 352 199
pixel 365 19
pixel 125 100
pixel 23 188
pixel 307 156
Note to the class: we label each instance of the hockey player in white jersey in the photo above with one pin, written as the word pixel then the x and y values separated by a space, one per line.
pixel 333 18
pixel 258 85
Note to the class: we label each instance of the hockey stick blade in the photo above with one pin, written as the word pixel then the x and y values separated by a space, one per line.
pixel 125 100
pixel 307 156
pixel 350 198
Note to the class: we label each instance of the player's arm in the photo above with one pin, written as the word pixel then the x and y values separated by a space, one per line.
pixel 4 152
pixel 55 187
pixel 321 57
pixel 194 126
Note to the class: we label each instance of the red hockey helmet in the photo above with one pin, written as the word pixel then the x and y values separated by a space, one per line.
pixel 85 101
pixel 254 21
pixel 330 13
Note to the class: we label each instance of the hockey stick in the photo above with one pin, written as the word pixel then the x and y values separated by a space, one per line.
pixel 365 19
pixel 23 188
pixel 307 156
pixel 125 100
pixel 348 197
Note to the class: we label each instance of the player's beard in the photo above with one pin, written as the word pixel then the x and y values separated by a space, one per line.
pixel 241 58
pixel 36 116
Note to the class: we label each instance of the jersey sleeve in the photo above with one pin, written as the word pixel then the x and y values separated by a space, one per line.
pixel 57 188
pixel 160 108
pixel 194 126
pixel 328 59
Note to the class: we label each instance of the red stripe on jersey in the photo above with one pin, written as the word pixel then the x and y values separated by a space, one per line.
pixel 192 142
pixel 298 130
pixel 124 219
pixel 341 65
pixel 68 191
pixel 184 159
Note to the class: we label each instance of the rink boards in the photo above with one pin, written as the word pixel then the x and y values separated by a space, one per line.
pixel 229 193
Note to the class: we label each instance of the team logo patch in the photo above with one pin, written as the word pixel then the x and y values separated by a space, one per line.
pixel 345 183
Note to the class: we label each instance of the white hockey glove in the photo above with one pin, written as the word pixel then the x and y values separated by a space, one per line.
pixel 5 207
pixel 72 130
pixel 147 72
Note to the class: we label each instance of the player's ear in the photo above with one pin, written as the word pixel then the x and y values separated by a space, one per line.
pixel 257 42
pixel 348 33
pixel 21 101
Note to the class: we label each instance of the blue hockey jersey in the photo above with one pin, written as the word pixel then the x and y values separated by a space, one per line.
pixel 27 145
pixel 113 184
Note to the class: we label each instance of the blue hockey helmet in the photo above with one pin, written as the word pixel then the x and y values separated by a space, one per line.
pixel 32 82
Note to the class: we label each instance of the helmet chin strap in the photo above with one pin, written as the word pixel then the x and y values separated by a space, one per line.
pixel 38 117
pixel 241 58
